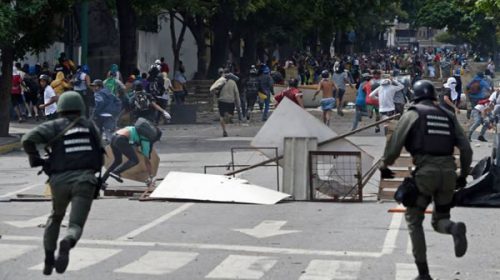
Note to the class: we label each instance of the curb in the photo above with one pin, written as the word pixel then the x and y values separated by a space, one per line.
pixel 10 146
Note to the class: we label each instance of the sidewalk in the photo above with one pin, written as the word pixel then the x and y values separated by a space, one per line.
pixel 16 131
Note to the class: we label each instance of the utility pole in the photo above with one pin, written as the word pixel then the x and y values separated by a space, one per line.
pixel 84 31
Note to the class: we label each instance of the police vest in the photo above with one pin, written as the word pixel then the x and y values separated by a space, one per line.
pixel 432 134
pixel 78 148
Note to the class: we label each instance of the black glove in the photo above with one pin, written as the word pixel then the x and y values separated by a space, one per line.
pixel 386 173
pixel 36 160
pixel 461 182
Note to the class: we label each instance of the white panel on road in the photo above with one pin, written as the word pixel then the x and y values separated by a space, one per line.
pixel 10 251
pixel 331 270
pixel 242 267
pixel 290 120
pixel 207 187
pixel 80 258
pixel 158 262
pixel 405 271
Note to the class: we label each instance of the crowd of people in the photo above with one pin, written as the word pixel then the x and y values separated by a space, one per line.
pixel 382 81
pixel 108 101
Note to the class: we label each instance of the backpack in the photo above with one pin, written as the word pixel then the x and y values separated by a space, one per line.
pixel 141 101
pixel 146 129
pixel 157 87
pixel 475 86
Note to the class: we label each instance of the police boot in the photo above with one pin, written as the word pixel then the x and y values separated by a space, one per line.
pixel 62 260
pixel 458 230
pixel 49 262
pixel 423 271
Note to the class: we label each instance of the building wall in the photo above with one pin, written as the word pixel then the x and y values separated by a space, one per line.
pixel 152 46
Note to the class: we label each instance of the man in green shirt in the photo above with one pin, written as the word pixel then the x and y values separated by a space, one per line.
pixel 430 134
pixel 75 156
pixel 124 142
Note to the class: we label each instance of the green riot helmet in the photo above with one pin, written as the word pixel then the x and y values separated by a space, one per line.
pixel 70 101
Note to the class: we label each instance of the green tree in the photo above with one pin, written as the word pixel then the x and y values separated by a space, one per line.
pixel 25 26
pixel 470 22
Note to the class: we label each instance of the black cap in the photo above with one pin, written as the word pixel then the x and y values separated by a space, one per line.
pixel 98 83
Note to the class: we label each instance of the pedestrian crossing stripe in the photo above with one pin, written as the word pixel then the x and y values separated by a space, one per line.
pixel 242 267
pixel 232 267
pixel 81 258
pixel 405 271
pixel 158 263
pixel 13 251
pixel 331 269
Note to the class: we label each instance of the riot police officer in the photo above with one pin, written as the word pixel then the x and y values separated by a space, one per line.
pixel 75 155
pixel 430 134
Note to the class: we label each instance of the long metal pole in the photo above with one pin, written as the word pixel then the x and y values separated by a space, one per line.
pixel 319 144
pixel 84 31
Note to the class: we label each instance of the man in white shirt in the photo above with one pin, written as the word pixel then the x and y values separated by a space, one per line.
pixel 49 98
pixel 385 94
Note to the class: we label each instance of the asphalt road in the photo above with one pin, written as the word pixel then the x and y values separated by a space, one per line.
pixel 128 239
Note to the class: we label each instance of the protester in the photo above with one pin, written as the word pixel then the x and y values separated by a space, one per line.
pixel 292 93
pixel 228 98
pixel 49 98
pixel 107 109
pixel 327 87
pixel 479 116
pixel 361 100
pixel 16 91
pixel 124 142
pixel 449 96
pixel 266 87
pixel 60 84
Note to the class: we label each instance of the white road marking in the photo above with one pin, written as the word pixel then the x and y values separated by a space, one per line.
pixel 331 270
pixel 266 229
pixel 11 251
pixel 242 267
pixel 234 138
pixel 405 271
pixel 392 234
pixel 20 191
pixel 34 222
pixel 81 258
pixel 221 247
pixel 158 263
pixel 156 222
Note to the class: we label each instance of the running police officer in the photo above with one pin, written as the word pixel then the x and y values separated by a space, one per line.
pixel 430 134
pixel 75 156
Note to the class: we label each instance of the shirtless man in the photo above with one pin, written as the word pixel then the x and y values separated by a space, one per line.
pixel 327 102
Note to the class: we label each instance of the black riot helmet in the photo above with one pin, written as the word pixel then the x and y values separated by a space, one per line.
pixel 424 89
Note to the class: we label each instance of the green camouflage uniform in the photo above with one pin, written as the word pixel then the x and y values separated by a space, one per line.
pixel 435 177
pixel 75 186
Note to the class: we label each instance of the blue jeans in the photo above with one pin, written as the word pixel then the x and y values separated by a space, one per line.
pixel 267 102
pixel 478 120
pixel 360 112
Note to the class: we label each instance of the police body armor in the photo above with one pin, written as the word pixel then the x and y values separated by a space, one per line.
pixel 432 134
pixel 78 148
